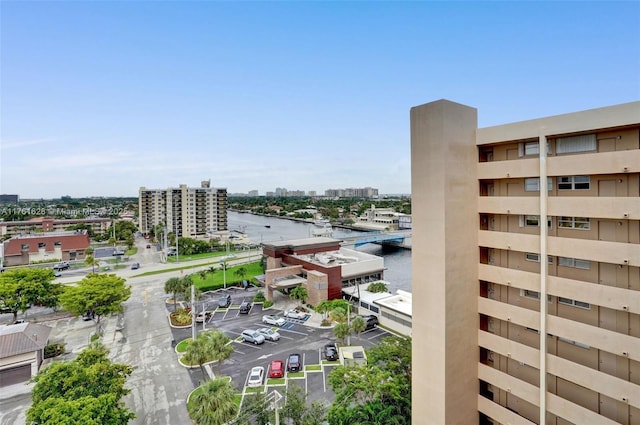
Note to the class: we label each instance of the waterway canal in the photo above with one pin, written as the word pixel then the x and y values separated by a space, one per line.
pixel 397 261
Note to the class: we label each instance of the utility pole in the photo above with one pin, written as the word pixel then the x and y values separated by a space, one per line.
pixel 193 312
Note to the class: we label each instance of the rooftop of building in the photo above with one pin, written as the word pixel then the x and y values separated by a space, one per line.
pixel 22 338
pixel 400 302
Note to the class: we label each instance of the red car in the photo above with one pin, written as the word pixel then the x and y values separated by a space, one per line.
pixel 276 370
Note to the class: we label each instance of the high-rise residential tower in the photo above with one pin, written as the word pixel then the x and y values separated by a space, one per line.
pixel 526 267
pixel 188 211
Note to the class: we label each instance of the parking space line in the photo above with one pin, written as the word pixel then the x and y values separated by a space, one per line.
pixel 294 332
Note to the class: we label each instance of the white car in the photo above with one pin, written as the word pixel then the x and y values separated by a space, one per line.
pixel 272 319
pixel 295 314
pixel 256 377
pixel 269 334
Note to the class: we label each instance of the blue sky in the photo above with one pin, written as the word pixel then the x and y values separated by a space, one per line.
pixel 100 98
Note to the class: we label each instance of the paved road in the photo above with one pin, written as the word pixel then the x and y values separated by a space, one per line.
pixel 159 385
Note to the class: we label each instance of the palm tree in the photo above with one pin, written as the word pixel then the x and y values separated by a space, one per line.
pixel 341 331
pixel 299 293
pixel 198 352
pixel 338 314
pixel 323 308
pixel 241 272
pixel 219 346
pixel 203 274
pixel 92 261
pixel 173 286
pixel 358 325
pixel 214 404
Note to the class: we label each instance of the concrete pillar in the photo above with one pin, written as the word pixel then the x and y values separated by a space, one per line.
pixel 444 189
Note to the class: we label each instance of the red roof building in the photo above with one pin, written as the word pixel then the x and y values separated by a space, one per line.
pixel 23 250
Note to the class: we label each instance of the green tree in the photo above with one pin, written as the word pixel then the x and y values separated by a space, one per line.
pixel 87 390
pixel 220 347
pixel 20 288
pixel 198 352
pixel 358 325
pixel 99 294
pixel 299 293
pixel 240 273
pixel 91 261
pixel 130 241
pixel 174 286
pixel 297 411
pixel 323 308
pixel 375 393
pixel 341 331
pixel 214 404
pixel 338 314
pixel 377 287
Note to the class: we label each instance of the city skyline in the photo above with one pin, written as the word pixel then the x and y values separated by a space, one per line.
pixel 103 97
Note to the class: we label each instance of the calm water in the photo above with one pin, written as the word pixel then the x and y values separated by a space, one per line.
pixel 397 261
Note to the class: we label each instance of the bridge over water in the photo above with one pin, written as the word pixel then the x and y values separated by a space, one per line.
pixel 386 238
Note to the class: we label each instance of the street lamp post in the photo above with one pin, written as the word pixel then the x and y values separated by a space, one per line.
pixel 224 272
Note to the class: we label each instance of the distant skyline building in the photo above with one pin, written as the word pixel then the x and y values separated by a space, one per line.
pixel 9 199
pixel 188 211
pixel 526 267
pixel 366 192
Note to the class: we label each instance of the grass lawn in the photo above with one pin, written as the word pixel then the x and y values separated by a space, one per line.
pixel 295 374
pixel 216 279
pixel 252 269
pixel 182 345
pixel 316 367
pixel 254 389
pixel 275 381
pixel 131 251
pixel 330 363
pixel 172 258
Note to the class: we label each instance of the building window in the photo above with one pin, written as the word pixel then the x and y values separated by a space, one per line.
pixel 535 257
pixel 531 148
pixel 574 262
pixel 532 184
pixel 533 221
pixel 574 223
pixel 573 144
pixel 574 183
pixel 572 342
pixel 533 294
pixel 575 303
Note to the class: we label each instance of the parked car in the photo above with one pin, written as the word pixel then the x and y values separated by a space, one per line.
pixel 295 314
pixel 203 316
pixel 330 352
pixel 272 319
pixel 225 301
pixel 88 316
pixel 62 265
pixel 371 321
pixel 269 334
pixel 252 336
pixel 276 369
pixel 294 363
pixel 256 377
pixel 135 266
pixel 57 273
pixel 245 307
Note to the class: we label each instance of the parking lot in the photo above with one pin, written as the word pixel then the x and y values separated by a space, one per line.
pixel 296 336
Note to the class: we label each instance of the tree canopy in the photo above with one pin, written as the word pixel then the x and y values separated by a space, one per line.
pixel 99 294
pixel 20 288
pixel 375 393
pixel 84 391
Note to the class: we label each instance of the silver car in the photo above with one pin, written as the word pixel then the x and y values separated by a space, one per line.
pixel 272 319
pixel 269 334
pixel 252 336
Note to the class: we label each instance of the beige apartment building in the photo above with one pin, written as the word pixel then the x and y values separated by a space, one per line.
pixel 526 267
pixel 188 211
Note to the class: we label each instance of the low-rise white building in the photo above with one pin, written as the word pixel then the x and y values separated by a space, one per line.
pixel 392 310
